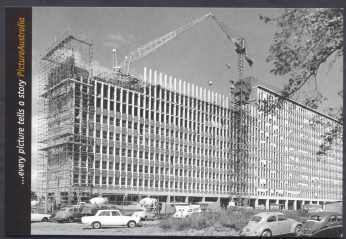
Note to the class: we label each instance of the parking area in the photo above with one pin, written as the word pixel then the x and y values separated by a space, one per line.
pixel 53 228
pixel 148 228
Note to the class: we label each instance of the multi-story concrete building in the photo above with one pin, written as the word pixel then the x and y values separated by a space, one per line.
pixel 287 164
pixel 123 138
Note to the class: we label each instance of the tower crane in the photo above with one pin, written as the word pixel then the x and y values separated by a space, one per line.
pixel 239 46
pixel 148 48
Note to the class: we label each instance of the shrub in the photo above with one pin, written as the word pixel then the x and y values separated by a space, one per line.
pixel 232 218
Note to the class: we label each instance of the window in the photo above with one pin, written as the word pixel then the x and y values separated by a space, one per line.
pixel 104 213
pixel 115 213
pixel 105 104
pixel 339 219
pixel 332 219
pixel 271 219
pixel 281 218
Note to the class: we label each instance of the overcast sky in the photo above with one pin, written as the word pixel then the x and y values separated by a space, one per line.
pixel 198 56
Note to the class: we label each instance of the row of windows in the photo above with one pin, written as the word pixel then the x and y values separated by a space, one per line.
pixel 149 94
pixel 149 183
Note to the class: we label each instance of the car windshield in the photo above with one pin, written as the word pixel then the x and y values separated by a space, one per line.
pixel 316 218
pixel 255 219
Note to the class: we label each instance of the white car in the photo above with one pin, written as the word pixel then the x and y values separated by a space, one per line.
pixel 108 218
pixel 40 217
pixel 183 211
pixel 267 224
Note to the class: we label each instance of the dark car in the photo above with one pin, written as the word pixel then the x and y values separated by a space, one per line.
pixel 329 232
pixel 320 223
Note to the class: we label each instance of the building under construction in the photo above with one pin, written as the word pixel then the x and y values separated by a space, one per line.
pixel 125 137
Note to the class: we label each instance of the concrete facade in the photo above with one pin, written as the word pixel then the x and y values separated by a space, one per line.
pixel 171 138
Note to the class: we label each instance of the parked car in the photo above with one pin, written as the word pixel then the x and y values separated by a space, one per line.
pixel 145 214
pixel 74 213
pixel 66 214
pixel 329 232
pixel 312 208
pixel 183 211
pixel 319 222
pixel 267 224
pixel 40 217
pixel 108 218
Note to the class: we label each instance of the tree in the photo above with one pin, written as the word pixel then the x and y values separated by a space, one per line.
pixel 304 40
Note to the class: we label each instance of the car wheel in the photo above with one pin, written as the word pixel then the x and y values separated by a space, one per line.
pixel 298 230
pixel 70 219
pixel 44 219
pixel 131 224
pixel 96 225
pixel 266 233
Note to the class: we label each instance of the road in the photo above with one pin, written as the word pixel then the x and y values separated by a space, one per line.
pixel 148 228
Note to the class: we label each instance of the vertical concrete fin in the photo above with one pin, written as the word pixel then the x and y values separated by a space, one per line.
pixel 188 89
pixel 150 73
pixel 145 74
pixel 165 79
pixel 155 77
pixel 184 87
pixel 200 93
pixel 175 84
pixel 179 86
pixel 160 80
pixel 170 82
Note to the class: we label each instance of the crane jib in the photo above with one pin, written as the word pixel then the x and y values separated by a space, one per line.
pixel 238 43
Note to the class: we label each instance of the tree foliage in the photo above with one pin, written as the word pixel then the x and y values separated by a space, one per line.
pixel 304 40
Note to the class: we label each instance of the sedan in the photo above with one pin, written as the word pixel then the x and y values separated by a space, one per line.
pixel 108 218
pixel 267 224
pixel 320 222
pixel 40 217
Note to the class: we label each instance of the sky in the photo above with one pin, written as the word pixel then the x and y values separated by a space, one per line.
pixel 197 56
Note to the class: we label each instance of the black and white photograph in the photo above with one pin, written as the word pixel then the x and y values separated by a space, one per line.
pixel 163 121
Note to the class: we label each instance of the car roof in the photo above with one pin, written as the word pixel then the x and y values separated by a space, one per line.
pixel 267 214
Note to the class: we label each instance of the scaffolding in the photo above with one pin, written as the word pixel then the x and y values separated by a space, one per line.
pixel 240 130
pixel 65 81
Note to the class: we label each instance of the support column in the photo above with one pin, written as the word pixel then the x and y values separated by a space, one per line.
pixel 267 204
pixel 286 204
pixel 295 205
pixel 186 199
pixel 323 205
pixel 203 199
pixel 256 203
pixel 168 200
pixel 310 202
